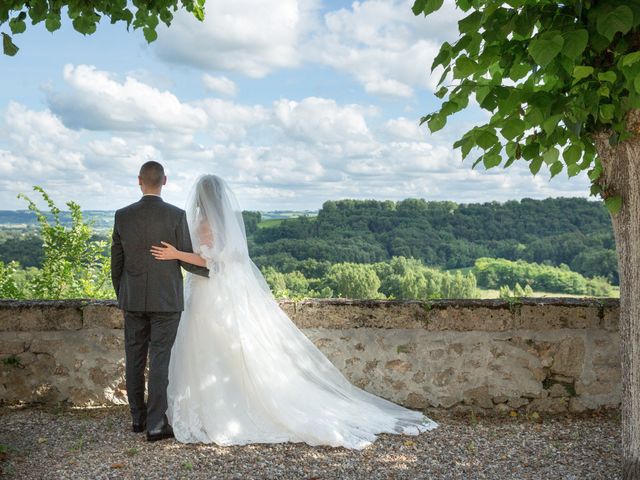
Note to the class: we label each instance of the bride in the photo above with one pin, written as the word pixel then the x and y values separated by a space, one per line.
pixel 240 371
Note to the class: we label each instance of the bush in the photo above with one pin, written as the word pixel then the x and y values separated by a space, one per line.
pixel 496 272
pixel 74 266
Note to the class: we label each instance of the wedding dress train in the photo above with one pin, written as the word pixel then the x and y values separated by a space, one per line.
pixel 241 372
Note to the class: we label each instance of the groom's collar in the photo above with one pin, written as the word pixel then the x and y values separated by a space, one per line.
pixel 151 196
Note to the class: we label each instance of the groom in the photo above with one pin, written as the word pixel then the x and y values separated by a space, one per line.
pixel 150 294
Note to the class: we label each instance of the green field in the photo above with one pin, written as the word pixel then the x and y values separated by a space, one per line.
pixel 486 293
pixel 272 222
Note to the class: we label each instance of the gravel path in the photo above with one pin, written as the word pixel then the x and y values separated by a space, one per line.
pixel 96 444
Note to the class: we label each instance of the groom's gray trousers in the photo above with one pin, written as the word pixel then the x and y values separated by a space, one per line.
pixel 152 333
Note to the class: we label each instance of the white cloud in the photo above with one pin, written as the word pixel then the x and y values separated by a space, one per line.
pixel 251 37
pixel 403 128
pixel 380 43
pixel 97 101
pixel 227 120
pixel 289 153
pixel 322 121
pixel 384 46
pixel 220 84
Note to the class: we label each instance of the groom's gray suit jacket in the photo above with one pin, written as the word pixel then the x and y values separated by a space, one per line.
pixel 142 283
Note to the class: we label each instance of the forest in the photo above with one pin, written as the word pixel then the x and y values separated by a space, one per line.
pixel 573 232
pixel 410 249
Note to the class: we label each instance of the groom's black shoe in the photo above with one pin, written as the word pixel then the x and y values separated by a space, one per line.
pixel 160 434
pixel 138 427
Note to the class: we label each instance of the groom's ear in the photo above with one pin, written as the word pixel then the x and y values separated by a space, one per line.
pixel 139 180
pixel 164 182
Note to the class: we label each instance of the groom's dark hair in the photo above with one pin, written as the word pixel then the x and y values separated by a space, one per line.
pixel 152 174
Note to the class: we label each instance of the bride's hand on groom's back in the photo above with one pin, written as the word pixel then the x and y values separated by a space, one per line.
pixel 166 252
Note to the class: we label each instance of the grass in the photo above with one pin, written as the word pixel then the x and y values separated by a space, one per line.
pixel 273 222
pixel 489 293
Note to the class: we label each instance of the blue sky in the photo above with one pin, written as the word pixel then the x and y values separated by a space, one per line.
pixel 294 102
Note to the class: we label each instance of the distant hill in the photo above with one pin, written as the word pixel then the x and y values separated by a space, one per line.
pixel 571 231
pixel 555 231
pixel 103 219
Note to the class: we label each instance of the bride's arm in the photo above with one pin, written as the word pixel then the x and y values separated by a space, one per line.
pixel 169 252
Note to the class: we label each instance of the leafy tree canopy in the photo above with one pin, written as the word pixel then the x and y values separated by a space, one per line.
pixel 551 74
pixel 85 15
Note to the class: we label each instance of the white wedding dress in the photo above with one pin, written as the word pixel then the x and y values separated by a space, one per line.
pixel 241 372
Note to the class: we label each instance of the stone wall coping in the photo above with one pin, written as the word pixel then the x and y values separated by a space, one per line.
pixel 436 303
pixel 435 315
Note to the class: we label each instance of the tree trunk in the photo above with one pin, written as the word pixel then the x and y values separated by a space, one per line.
pixel 621 176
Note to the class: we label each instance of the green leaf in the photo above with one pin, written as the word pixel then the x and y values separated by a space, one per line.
pixel 7 45
pixel 636 84
pixel 535 165
pixel 573 169
pixel 555 168
pixel 606 112
pixel 418 6
pixel 486 139
pixel 595 172
pixel 198 12
pixel 436 122
pixel 608 76
pixel 444 56
pixel 513 128
pixel 17 25
pixel 466 143
pixel 545 47
pixel 550 156
pixel 52 23
pixel 614 204
pixel 630 59
pixel 441 92
pixel 491 160
pixel 619 19
pixel 550 124
pixel 426 6
pixel 575 42
pixel 508 163
pixel 519 71
pixel 531 151
pixel 470 23
pixel 149 34
pixel 464 67
pixel 580 72
pixel 572 154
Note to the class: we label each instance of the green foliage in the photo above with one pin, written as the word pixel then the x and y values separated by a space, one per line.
pixel 550 73
pixel 400 278
pixel 409 279
pixel 85 16
pixel 498 272
pixel 294 285
pixel 445 235
pixel 74 266
pixel 8 283
pixel 517 292
pixel 251 221
pixel 353 280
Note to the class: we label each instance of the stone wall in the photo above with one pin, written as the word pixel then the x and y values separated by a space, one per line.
pixel 540 354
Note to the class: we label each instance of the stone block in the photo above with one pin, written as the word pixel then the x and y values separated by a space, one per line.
pixel 16 319
pixel 100 316
pixel 479 396
pixel 569 357
pixel 549 404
